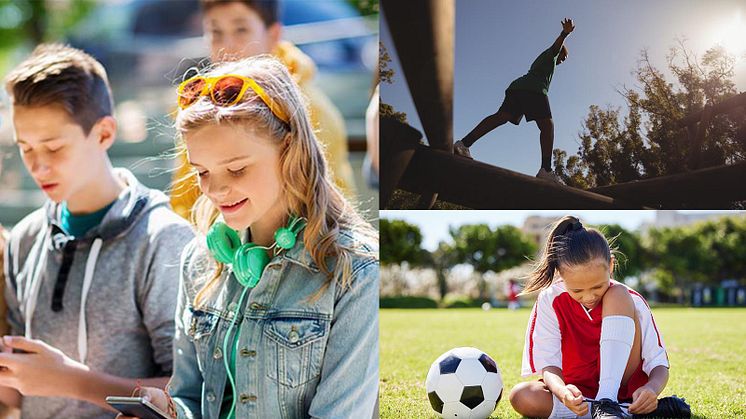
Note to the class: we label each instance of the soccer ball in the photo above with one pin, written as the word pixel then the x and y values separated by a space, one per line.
pixel 464 383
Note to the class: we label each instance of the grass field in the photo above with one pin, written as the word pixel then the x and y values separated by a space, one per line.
pixel 706 348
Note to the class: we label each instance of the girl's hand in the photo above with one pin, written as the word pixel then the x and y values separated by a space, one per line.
pixel 155 396
pixel 644 400
pixel 573 399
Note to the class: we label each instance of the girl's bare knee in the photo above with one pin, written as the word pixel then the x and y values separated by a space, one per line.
pixel 518 397
pixel 526 399
pixel 617 301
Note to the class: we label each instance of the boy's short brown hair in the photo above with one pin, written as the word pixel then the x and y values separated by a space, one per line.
pixel 268 10
pixel 60 74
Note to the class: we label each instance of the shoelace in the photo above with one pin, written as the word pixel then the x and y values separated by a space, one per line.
pixel 624 405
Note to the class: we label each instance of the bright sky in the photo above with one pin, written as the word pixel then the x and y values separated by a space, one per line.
pixel 434 224
pixel 496 42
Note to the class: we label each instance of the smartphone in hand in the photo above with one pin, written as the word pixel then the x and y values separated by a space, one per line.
pixel 136 406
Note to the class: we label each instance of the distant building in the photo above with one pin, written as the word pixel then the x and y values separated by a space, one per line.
pixel 670 218
pixel 537 227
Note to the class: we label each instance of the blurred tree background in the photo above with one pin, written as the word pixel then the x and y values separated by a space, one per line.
pixel 647 142
pixel 25 23
pixel 664 264
pixel 366 7
pixel 146 45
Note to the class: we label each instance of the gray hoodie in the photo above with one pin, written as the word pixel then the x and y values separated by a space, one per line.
pixel 115 311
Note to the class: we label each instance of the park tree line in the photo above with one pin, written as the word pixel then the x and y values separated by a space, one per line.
pixel 670 260
pixel 646 141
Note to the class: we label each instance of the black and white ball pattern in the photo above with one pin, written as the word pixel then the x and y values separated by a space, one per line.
pixel 464 383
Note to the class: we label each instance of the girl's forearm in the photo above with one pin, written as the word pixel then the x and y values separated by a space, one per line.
pixel 555 381
pixel 658 379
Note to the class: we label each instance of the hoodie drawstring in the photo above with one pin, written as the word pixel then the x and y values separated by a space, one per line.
pixel 33 296
pixel 31 291
pixel 90 267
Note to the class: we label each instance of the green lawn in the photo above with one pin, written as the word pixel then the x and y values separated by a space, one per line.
pixel 706 348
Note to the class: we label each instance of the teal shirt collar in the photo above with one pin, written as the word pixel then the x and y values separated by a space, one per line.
pixel 79 225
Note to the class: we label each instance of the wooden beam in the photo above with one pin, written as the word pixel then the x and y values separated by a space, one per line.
pixel 423 35
pixel 397 146
pixel 481 186
pixel 710 188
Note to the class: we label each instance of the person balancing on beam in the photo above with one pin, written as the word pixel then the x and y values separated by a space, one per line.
pixel 527 95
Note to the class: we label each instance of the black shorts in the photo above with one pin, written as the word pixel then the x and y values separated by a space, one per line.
pixel 522 102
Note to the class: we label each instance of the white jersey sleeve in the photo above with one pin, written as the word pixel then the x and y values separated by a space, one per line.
pixel 543 344
pixel 653 349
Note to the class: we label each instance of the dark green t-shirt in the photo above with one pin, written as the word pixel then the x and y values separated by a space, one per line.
pixel 539 75
pixel 78 225
pixel 225 407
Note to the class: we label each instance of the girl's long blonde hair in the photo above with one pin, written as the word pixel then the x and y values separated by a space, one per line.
pixel 307 187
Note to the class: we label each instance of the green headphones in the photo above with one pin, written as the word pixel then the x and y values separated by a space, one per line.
pixel 249 260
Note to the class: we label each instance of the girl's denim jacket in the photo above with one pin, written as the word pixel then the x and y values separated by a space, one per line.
pixel 297 357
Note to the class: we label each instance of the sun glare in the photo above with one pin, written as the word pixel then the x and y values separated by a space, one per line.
pixel 732 35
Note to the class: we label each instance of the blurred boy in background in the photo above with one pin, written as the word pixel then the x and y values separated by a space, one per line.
pixel 236 29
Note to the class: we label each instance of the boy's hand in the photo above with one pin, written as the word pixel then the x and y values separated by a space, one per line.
pixel 644 400
pixel 42 371
pixel 567 26
pixel 573 399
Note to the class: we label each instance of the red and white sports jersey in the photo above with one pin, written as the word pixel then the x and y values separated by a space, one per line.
pixel 562 333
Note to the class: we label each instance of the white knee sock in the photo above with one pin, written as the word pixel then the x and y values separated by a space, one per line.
pixel 617 336
pixel 560 411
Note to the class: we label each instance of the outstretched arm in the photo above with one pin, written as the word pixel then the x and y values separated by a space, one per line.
pixel 567 27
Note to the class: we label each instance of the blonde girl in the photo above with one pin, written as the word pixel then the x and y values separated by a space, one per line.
pixel 277 313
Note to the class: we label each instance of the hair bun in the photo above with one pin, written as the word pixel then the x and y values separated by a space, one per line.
pixel 574 224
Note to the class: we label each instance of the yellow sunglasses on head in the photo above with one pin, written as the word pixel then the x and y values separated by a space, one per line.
pixel 225 90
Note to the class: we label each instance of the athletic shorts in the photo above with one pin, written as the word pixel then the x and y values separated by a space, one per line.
pixel 533 105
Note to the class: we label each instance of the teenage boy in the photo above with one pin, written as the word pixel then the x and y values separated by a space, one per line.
pixel 91 277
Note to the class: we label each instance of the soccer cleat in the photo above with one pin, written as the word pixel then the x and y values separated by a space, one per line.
pixel 669 407
pixel 460 149
pixel 547 175
pixel 607 409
